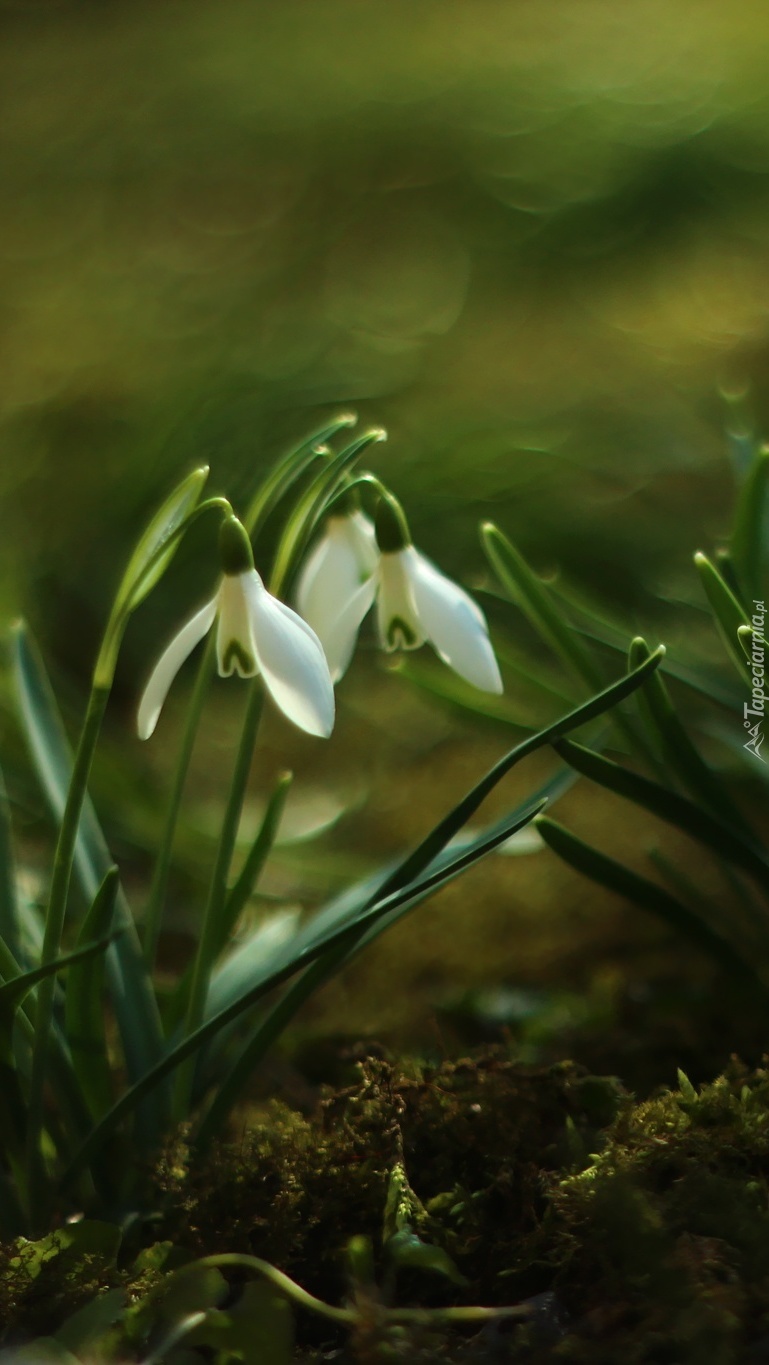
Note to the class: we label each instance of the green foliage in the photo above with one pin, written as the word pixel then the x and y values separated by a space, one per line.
pixel 83 1098
pixel 677 784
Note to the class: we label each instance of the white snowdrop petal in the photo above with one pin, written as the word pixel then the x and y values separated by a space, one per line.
pixel 339 636
pixel 235 647
pixel 340 562
pixel 168 666
pixel 397 614
pixel 291 660
pixel 309 588
pixel 362 533
pixel 453 624
pixel 334 576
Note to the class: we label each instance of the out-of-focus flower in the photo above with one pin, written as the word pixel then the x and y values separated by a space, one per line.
pixel 343 560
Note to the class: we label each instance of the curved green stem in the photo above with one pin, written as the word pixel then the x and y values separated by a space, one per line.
pixel 278 1278
pixel 217 894
pixel 473 1313
pixel 126 602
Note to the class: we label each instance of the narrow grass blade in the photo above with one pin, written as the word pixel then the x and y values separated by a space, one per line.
pixel 84 1006
pixel 400 884
pixel 451 824
pixel 529 591
pixel 237 975
pixel 544 612
pixel 601 632
pixel 13 992
pixel 269 945
pixel 288 470
pixel 349 941
pixel 258 854
pixel 9 910
pixel 677 810
pixel 448 687
pixel 729 613
pixel 310 508
pixel 747 541
pixel 343 935
pixel 239 893
pixel 647 895
pixel 678 751
pixel 725 567
pixel 146 565
pixel 751 913
pixel 345 908
pixel 130 984
pixel 679 882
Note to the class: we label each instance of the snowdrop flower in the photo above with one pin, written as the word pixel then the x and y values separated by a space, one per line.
pixel 344 558
pixel 415 602
pixel 255 634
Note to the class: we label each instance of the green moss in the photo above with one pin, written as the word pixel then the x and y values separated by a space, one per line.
pixel 642 1227
pixel 475 1139
pixel 663 1240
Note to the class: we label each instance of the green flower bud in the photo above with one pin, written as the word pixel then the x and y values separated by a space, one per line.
pixel 392 529
pixel 235 551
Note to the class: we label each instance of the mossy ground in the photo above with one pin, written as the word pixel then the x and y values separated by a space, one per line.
pixel 637 1230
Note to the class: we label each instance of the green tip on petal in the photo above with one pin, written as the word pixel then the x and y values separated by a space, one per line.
pixel 235 551
pixel 392 529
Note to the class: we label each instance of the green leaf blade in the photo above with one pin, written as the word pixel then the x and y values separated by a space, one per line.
pixel 130 985
pixel 147 564
pixel 631 886
pixel 747 541
pixel 728 612
pixel 84 1009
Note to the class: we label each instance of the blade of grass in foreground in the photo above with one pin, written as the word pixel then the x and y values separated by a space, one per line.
pixel 593 627
pixel 747 541
pixel 84 1008
pixel 290 468
pixel 542 609
pixel 400 883
pixel 9 914
pixel 130 985
pixel 677 749
pixel 678 810
pixel 320 971
pixel 728 612
pixel 343 909
pixel 344 934
pixel 311 506
pixel 614 876
pixel 451 824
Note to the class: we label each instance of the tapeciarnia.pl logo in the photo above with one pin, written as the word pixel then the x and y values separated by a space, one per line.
pixel 753 711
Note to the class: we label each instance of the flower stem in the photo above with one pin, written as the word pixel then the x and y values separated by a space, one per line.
pixel 217 893
pixel 54 924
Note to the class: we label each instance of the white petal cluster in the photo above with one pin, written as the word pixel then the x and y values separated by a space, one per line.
pixel 255 634
pixel 415 603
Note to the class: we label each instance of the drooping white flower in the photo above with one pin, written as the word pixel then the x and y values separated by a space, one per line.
pixel 255 634
pixel 343 560
pixel 415 603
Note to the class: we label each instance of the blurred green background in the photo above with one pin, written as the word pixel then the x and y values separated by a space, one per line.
pixel 531 239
